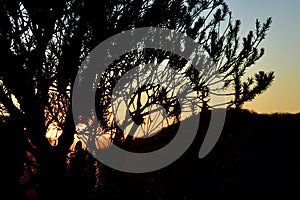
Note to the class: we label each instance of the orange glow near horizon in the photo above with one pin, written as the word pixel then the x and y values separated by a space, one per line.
pixel 53 133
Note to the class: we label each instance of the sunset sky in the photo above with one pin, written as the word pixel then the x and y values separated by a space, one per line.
pixel 282 46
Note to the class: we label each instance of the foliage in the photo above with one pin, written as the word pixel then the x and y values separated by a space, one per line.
pixel 43 44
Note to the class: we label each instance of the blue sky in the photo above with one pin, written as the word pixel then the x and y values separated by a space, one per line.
pixel 282 46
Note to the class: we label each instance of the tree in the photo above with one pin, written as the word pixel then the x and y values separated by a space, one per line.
pixel 36 42
pixel 203 21
pixel 44 43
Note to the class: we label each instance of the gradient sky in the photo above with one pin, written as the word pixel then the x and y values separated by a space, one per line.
pixel 282 46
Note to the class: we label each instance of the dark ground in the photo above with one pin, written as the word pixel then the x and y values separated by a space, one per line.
pixel 257 157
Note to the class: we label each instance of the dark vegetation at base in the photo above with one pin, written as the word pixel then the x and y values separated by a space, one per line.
pixel 257 157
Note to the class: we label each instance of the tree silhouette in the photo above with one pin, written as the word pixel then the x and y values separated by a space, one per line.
pixel 43 45
pixel 204 22
pixel 37 44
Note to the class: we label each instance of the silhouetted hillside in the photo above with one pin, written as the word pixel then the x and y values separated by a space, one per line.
pixel 256 157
